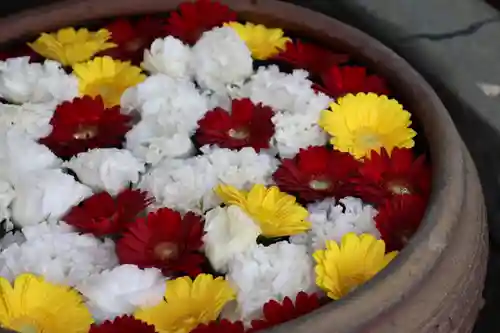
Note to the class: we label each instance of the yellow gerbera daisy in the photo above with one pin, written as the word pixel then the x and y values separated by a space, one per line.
pixel 364 122
pixel 341 269
pixel 34 305
pixel 188 303
pixel 276 212
pixel 263 42
pixel 70 46
pixel 107 77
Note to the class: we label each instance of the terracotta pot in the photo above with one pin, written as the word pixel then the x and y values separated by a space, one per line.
pixel 435 284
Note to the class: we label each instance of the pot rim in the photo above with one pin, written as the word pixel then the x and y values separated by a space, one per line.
pixel 417 259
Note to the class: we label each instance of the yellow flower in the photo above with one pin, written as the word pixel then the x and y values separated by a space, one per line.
pixel 339 270
pixel 107 77
pixel 364 122
pixel 70 46
pixel 276 212
pixel 34 305
pixel 188 303
pixel 263 42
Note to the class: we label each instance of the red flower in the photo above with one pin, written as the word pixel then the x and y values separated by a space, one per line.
pixel 247 125
pixel 223 326
pixel 102 215
pixel 339 81
pixel 277 313
pixel 133 38
pixel 316 173
pixel 194 18
pixel 398 219
pixel 164 240
pixel 310 57
pixel 383 176
pixel 84 124
pixel 121 325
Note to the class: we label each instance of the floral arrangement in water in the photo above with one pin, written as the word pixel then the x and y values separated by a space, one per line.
pixel 195 173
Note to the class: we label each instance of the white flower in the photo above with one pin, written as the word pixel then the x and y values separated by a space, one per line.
pixel 7 195
pixel 121 290
pixel 46 195
pixel 228 231
pixel 274 272
pixel 168 56
pixel 58 253
pixel 20 155
pixel 331 221
pixel 107 169
pixel 13 237
pixel 25 82
pixel 33 120
pixel 221 58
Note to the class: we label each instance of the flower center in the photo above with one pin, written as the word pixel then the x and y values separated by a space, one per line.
pixel 398 188
pixel 85 132
pixel 320 184
pixel 134 44
pixel 24 325
pixel 239 133
pixel 367 139
pixel 166 251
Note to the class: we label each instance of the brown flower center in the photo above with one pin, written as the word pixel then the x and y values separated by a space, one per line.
pixel 320 184
pixel 398 188
pixel 166 251
pixel 86 132
pixel 239 133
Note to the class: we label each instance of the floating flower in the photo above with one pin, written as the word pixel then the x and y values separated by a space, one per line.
pixel 247 125
pixel 33 305
pixel 121 290
pixel 166 240
pixel 132 38
pixel 220 326
pixel 69 46
pixel 342 268
pixel 361 123
pixel 122 324
pixel 169 56
pixel 340 81
pixel 102 215
pixel 382 176
pixel 85 124
pixel 188 303
pixel 276 313
pixel 277 213
pixel 106 169
pixel 262 41
pixel 31 120
pixel 107 77
pixel 316 173
pixel 398 219
pixel 310 57
pixel 196 17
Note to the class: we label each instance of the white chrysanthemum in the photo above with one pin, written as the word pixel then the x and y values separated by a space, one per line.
pixel 58 253
pixel 122 290
pixel 25 82
pixel 46 195
pixel 331 221
pixel 20 155
pixel 13 237
pixel 7 195
pixel 107 169
pixel 187 185
pixel 274 272
pixel 228 231
pixel 169 56
pixel 33 120
pixel 221 58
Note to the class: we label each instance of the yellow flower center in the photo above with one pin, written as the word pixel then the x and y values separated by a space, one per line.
pixel 166 251
pixel 239 134
pixel 24 325
pixel 398 188
pixel 86 132
pixel 367 139
pixel 319 184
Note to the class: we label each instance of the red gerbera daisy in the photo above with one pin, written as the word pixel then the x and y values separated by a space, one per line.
pixel 383 176
pixel 247 125
pixel 122 324
pixel 310 57
pixel 398 218
pixel 316 173
pixel 133 38
pixel 196 17
pixel 84 124
pixel 102 215
pixel 277 313
pixel 222 326
pixel 165 240
pixel 339 81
